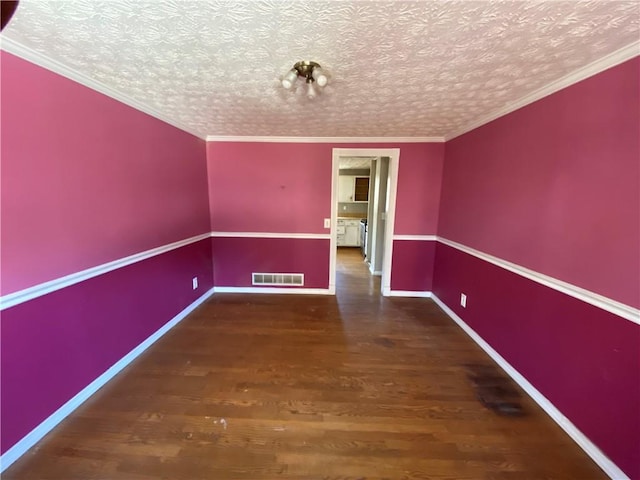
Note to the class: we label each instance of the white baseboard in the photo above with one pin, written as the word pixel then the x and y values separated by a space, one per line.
pixel 377 273
pixel 407 293
pixel 298 291
pixel 580 438
pixel 56 417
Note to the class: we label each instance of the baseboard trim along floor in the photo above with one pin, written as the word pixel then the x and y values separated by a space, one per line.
pixel 580 438
pixel 29 440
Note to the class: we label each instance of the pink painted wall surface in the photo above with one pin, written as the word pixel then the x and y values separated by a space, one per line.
pixel 86 179
pixel 419 182
pixel 583 359
pixel 269 187
pixel 286 188
pixel 235 259
pixel 555 186
pixel 55 345
pixel 413 265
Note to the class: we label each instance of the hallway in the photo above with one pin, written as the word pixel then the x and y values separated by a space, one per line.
pixel 352 275
pixel 355 386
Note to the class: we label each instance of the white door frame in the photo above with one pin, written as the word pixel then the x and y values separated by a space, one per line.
pixel 394 163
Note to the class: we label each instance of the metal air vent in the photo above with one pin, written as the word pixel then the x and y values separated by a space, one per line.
pixel 286 279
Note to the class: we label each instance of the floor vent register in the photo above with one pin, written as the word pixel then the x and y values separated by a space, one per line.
pixel 286 279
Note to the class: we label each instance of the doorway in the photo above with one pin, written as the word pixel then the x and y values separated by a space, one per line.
pixel 380 213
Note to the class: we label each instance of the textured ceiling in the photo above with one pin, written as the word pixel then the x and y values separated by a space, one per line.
pixel 355 162
pixel 397 69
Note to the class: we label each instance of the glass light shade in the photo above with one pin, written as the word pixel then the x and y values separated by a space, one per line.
pixel 319 76
pixel 312 92
pixel 290 79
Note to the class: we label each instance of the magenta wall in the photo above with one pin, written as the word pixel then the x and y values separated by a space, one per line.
pixel 555 187
pixel 55 345
pixel 269 187
pixel 87 180
pixel 237 258
pixel 417 209
pixel 580 357
pixel 413 262
pixel 286 188
pixel 419 184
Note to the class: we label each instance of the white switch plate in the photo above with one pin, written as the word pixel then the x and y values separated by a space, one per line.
pixel 194 282
pixel 327 223
pixel 463 300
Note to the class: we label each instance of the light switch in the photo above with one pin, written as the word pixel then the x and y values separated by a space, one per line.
pixel 327 223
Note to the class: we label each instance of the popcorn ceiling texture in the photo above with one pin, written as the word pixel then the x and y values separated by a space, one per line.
pixel 404 69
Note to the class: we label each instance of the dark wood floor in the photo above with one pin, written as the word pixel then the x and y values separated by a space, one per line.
pixel 310 387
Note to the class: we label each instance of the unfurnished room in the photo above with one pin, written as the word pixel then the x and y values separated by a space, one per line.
pixel 296 239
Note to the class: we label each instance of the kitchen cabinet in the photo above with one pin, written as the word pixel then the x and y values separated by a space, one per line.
pixel 352 235
pixel 346 185
pixel 361 189
pixel 348 232
pixel 353 189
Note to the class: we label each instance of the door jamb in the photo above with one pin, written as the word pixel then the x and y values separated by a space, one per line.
pixel 394 163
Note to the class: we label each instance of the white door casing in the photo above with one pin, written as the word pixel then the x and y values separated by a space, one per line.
pixel 394 163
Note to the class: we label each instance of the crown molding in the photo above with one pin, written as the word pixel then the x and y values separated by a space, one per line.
pixel 593 68
pixel 219 138
pixel 26 53
pixel 611 60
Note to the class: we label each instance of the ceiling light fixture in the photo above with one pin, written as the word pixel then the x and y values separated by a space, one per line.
pixel 312 73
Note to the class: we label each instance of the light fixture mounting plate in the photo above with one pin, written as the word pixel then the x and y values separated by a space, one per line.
pixel 305 68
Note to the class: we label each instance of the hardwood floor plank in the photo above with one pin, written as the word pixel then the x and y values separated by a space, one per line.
pixel 355 386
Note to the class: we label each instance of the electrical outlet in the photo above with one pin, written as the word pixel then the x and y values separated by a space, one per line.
pixel 463 300
pixel 194 282
pixel 327 223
